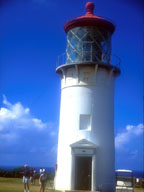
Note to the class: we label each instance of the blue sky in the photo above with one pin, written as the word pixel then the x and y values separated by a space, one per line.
pixel 31 38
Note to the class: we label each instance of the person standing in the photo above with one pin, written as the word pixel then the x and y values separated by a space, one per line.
pixel 32 176
pixel 43 179
pixel 41 172
pixel 26 175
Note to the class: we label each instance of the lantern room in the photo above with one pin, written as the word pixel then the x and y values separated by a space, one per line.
pixel 89 38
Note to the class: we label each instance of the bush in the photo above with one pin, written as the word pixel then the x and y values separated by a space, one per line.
pixel 16 173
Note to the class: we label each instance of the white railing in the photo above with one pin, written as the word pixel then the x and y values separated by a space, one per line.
pixel 114 60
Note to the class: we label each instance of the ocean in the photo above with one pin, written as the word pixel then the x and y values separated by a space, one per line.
pixel 137 174
pixel 48 169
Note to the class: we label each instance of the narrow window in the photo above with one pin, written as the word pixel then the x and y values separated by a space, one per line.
pixel 85 122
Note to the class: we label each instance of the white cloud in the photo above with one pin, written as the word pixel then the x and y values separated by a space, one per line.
pixel 5 101
pixel 134 154
pixel 18 125
pixel 23 134
pixel 38 123
pixel 18 117
pixel 130 131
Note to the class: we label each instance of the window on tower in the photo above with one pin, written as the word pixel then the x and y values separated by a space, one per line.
pixel 85 122
pixel 89 43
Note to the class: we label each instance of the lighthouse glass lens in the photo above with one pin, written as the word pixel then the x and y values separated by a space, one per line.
pixel 88 44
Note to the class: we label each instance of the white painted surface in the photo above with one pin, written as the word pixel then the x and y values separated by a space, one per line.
pixel 87 92
pixel 124 171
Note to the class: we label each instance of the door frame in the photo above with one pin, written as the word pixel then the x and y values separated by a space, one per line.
pixel 87 153
pixel 83 147
pixel 75 171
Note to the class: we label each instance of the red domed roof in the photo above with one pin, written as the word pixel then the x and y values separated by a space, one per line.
pixel 89 19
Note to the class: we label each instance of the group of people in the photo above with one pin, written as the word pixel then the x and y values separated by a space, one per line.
pixel 29 174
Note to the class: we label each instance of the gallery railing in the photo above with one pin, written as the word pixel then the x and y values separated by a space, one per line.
pixel 86 57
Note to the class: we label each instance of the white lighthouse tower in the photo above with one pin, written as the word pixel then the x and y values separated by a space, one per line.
pixel 86 132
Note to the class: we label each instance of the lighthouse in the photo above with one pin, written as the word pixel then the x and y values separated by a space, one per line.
pixel 85 159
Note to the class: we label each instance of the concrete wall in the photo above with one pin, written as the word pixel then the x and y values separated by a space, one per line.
pixel 87 90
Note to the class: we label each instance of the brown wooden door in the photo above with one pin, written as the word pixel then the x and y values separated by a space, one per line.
pixel 83 169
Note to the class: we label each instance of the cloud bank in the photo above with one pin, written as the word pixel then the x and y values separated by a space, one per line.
pixel 24 137
pixel 129 148
pixel 18 117
pixel 128 134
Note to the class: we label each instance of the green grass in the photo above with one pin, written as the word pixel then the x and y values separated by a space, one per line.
pixel 16 185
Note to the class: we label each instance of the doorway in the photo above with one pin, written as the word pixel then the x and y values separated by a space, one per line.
pixel 83 170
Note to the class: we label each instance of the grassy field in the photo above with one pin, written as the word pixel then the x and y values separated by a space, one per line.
pixel 16 185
